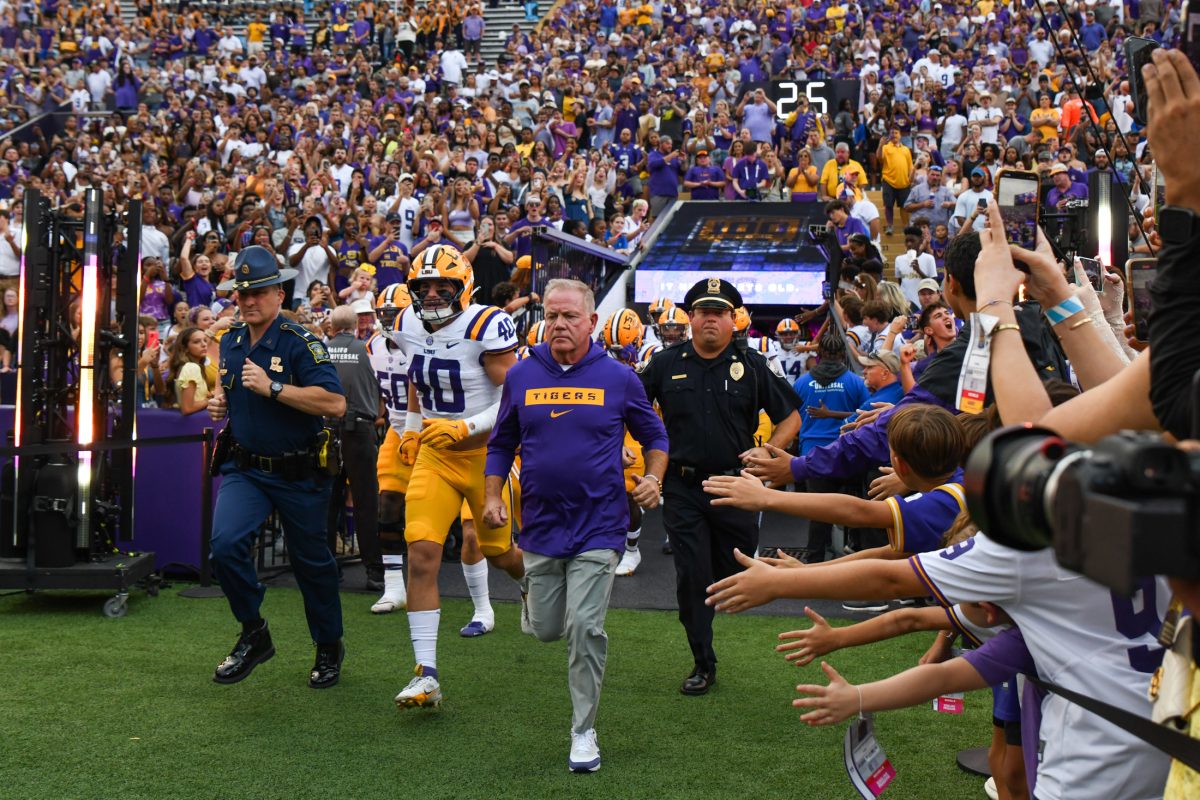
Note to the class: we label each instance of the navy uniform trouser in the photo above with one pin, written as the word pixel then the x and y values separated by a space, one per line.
pixel 703 537
pixel 246 498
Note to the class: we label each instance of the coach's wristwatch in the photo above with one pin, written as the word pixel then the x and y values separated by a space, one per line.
pixel 1177 225
pixel 276 388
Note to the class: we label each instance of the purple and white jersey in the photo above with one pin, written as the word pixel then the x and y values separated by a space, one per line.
pixel 1083 637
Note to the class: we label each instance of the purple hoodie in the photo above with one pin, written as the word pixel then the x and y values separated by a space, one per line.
pixel 570 425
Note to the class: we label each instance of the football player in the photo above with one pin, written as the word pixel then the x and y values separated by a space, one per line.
pixel 391 368
pixel 458 354
pixel 655 311
pixel 763 344
pixel 674 326
pixel 622 334
pixel 792 356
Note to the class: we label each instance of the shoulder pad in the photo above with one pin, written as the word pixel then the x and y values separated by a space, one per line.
pixel 301 331
pixel 479 321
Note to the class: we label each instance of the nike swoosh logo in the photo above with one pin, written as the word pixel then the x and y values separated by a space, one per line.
pixel 452 344
pixel 557 414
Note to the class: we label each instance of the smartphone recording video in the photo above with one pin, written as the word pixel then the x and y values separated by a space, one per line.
pixel 1137 55
pixel 152 338
pixel 1139 274
pixel 1094 271
pixel 1017 197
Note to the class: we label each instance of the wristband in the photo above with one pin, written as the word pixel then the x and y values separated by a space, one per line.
pixel 1061 312
pixel 653 477
pixel 412 421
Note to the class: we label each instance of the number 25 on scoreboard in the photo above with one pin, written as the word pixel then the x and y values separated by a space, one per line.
pixel 789 94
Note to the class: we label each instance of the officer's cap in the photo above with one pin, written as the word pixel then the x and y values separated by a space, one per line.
pixel 713 293
pixel 255 268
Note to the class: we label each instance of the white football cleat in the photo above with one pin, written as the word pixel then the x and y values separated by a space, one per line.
pixel 422 691
pixel 585 752
pixel 395 597
pixel 630 560
pixel 989 789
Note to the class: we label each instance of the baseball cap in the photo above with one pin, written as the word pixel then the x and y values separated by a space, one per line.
pixel 1057 168
pixel 407 176
pixel 1100 152
pixel 700 153
pixel 885 358
pixel 980 171
pixel 362 306
pixel 928 283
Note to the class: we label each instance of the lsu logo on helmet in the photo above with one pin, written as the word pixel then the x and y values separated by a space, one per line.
pixel 622 333
pixel 787 332
pixel 673 325
pixel 442 262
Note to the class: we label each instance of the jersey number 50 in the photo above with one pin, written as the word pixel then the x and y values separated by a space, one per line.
pixel 439 382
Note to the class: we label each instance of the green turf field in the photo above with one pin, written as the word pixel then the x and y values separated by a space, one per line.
pixel 125 708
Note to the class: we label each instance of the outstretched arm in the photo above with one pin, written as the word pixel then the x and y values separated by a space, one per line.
pixel 802 646
pixel 759 583
pixel 841 700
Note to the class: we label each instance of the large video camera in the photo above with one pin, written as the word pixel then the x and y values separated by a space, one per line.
pixel 1127 507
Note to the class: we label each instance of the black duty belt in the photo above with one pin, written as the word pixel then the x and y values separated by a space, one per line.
pixel 696 474
pixel 292 466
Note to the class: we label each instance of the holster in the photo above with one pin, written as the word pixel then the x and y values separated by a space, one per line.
pixel 222 449
pixel 327 451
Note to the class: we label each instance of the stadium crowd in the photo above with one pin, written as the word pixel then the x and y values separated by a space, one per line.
pixel 348 139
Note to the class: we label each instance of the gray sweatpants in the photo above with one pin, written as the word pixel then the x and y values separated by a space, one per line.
pixel 569 596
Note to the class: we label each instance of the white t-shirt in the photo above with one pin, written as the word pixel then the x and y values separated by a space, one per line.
pixel 342 175
pixel 954 127
pixel 10 262
pixel 1082 637
pixel 313 267
pixel 454 64
pixel 988 133
pixel 911 271
pixel 967 202
pixel 155 244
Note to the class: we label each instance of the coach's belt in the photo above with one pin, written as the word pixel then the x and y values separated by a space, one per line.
pixel 696 474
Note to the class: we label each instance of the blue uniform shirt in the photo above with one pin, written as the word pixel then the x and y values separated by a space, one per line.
pixel 847 392
pixel 289 354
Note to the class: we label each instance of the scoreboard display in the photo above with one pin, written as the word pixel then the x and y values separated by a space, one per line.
pixel 761 248
pixel 824 97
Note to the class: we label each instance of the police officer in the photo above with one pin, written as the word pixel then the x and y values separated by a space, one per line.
pixel 360 441
pixel 710 392
pixel 276 382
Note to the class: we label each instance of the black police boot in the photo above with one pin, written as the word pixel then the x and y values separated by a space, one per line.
pixel 700 681
pixel 253 647
pixel 374 581
pixel 328 666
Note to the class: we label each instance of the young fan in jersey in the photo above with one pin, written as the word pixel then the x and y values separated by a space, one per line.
pixel 458 354
pixel 927 445
pixel 1081 635
pixel 622 335
pixel 391 367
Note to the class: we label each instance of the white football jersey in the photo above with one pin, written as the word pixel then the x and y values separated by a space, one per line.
pixel 770 351
pixel 1081 636
pixel 391 368
pixel 793 362
pixel 446 366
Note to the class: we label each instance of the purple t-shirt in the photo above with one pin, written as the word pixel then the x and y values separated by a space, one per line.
pixel 199 291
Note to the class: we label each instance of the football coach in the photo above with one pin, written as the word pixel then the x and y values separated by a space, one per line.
pixel 567 407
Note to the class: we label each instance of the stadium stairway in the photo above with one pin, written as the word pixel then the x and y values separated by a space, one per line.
pixel 889 246
pixel 500 21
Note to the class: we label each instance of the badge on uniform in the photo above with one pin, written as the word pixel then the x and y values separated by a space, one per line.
pixel 319 353
pixel 277 364
pixel 736 370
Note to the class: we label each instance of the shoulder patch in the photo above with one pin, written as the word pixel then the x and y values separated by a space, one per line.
pixel 236 325
pixel 319 353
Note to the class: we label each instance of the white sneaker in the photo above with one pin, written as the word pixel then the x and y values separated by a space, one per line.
pixel 629 561
pixel 395 597
pixel 422 692
pixel 989 789
pixel 585 753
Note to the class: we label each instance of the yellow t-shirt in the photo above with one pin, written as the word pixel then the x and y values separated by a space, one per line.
pixel 837 14
pixel 831 174
pixel 191 373
pixel 897 165
pixel 803 181
pixel 255 31
pixel 645 14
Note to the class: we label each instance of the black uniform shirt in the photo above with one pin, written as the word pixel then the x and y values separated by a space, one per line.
pixel 710 406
